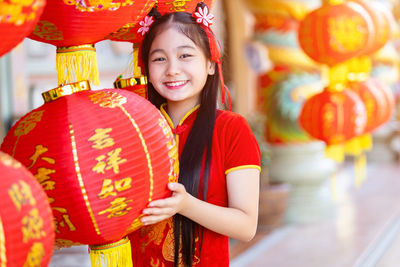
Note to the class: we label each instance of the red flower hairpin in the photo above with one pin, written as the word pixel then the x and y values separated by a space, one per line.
pixel 203 16
pixel 145 23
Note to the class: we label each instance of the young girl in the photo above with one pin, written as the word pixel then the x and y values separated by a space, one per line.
pixel 217 193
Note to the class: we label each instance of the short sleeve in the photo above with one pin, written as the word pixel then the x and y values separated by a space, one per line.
pixel 241 147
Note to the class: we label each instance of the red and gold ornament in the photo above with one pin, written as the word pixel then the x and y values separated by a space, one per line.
pixel 17 19
pixel 382 20
pixel 335 33
pixel 333 117
pixel 378 101
pixel 100 158
pixel 26 220
pixel 74 26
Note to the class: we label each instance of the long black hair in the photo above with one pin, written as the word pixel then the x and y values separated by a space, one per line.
pixel 200 137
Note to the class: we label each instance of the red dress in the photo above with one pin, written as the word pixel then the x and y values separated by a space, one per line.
pixel 234 147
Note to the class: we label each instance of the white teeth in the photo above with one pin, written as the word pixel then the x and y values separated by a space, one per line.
pixel 175 83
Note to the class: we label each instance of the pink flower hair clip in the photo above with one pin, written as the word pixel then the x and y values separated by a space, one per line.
pixel 148 21
pixel 203 16
pixel 145 23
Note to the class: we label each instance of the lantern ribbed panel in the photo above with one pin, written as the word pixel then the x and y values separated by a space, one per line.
pixel 381 22
pixel 335 33
pixel 390 102
pixel 167 6
pixel 375 102
pixel 26 221
pixel 333 117
pixel 107 139
pixel 17 21
pixel 69 23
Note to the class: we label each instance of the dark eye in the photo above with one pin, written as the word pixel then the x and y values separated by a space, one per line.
pixel 158 59
pixel 186 55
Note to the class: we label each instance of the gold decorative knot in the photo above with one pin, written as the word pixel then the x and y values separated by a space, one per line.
pixel 64 90
pixel 123 83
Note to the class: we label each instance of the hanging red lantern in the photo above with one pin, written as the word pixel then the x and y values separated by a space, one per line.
pixel 381 20
pixel 333 117
pixel 335 33
pixel 26 221
pixel 375 102
pixel 390 101
pixel 74 26
pixel 17 19
pixel 100 158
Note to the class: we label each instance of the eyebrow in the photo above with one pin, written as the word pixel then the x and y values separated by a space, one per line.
pixel 179 47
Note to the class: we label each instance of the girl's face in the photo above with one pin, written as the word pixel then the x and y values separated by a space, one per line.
pixel 178 68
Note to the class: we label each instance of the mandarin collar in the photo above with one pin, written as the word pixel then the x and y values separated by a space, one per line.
pixel 180 127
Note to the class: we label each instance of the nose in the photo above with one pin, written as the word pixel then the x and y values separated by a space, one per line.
pixel 173 67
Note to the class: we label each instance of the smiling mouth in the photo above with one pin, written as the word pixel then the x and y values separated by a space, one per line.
pixel 175 85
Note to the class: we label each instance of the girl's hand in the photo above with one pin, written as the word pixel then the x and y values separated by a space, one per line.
pixel 162 209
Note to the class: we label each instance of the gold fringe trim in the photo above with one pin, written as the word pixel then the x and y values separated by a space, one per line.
pixel 117 254
pixel 77 63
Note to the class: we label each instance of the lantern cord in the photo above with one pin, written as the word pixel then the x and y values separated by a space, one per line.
pixel 116 254
pixel 77 63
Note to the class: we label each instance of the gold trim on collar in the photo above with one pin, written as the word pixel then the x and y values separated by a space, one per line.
pixel 168 118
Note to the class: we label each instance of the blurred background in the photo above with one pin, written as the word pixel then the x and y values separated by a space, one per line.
pixel 318 82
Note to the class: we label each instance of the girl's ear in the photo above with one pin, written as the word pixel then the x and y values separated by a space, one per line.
pixel 211 67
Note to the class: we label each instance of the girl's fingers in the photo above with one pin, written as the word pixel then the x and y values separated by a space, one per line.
pixel 152 219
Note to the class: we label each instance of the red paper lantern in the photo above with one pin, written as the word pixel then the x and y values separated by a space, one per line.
pixel 381 22
pixel 334 33
pixel 101 157
pixel 74 26
pixel 390 101
pixel 375 102
pixel 26 221
pixel 17 19
pixel 333 117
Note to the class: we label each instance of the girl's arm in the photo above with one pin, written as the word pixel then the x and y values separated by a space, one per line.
pixel 238 220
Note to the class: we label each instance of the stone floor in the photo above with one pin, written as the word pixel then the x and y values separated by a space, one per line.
pixel 364 232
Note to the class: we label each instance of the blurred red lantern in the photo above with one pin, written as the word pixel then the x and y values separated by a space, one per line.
pixel 390 101
pixel 375 101
pixel 334 33
pixel 100 158
pixel 26 221
pixel 74 26
pixel 381 20
pixel 17 20
pixel 333 117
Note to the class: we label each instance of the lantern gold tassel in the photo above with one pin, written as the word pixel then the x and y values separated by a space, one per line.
pixel 77 63
pixel 117 254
